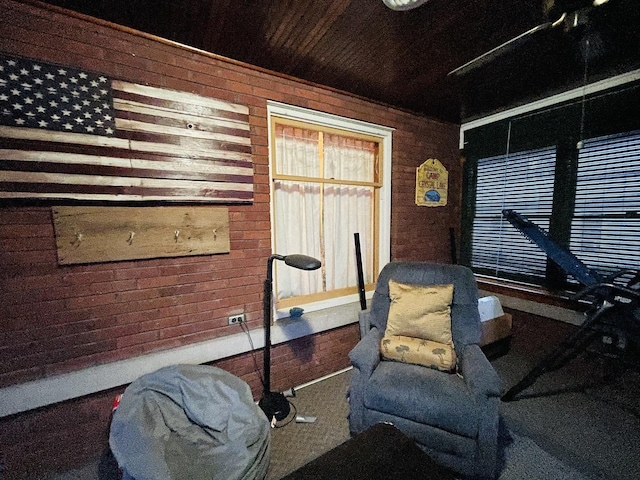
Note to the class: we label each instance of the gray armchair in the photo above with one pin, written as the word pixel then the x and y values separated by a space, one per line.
pixel 452 416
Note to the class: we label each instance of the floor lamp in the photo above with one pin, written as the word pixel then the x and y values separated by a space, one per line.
pixel 274 404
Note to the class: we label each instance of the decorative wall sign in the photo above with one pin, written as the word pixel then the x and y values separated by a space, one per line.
pixel 67 133
pixel 108 234
pixel 432 181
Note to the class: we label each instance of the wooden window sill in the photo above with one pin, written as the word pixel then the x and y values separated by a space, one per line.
pixel 530 292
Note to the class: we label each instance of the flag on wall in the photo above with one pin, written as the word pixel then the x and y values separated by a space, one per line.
pixel 66 133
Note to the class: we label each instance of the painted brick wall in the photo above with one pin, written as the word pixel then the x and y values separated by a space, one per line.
pixel 60 319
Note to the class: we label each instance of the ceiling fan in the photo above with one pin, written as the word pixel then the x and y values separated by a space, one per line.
pixel 568 21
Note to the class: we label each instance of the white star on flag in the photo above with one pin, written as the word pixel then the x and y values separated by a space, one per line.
pixel 38 88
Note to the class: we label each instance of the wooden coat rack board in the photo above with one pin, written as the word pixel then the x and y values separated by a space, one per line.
pixel 109 234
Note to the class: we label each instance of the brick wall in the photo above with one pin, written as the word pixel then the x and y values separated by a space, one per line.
pixel 422 233
pixel 68 435
pixel 61 319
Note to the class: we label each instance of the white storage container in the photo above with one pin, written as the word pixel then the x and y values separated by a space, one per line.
pixel 489 307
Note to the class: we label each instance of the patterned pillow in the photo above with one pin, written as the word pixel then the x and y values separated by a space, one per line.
pixel 420 311
pixel 419 352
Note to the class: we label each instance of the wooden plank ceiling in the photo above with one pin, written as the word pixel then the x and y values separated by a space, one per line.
pixel 400 58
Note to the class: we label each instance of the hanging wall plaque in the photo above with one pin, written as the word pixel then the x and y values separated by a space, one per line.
pixel 431 184
pixel 92 234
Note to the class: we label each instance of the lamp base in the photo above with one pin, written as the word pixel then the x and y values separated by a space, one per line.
pixel 274 404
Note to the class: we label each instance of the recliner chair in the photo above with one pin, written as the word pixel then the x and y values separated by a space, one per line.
pixel 453 416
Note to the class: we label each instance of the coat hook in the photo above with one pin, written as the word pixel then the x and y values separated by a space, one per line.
pixel 78 240
pixel 215 233
pixel 176 234
pixel 131 235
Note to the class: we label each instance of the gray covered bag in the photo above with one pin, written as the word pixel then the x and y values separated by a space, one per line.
pixel 190 421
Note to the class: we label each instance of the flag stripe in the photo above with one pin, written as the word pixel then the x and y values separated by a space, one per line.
pixel 184 98
pixel 123 105
pixel 65 133
pixel 143 134
pixel 18 133
pixel 215 131
pixel 123 98
pixel 114 171
pixel 107 192
pixel 32 139
pixel 98 180
pixel 93 186
pixel 36 192
pixel 150 163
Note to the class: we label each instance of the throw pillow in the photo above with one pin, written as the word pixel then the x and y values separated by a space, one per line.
pixel 420 311
pixel 419 352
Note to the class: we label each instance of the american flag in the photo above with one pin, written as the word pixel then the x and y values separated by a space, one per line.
pixel 66 133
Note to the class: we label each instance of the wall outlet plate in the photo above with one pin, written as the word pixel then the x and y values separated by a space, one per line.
pixel 236 319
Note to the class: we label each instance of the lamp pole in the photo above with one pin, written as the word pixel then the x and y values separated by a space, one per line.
pixel 274 404
pixel 266 304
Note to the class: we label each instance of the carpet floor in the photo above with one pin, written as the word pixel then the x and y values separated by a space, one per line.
pixel 295 444
pixel 587 413
pixel 581 422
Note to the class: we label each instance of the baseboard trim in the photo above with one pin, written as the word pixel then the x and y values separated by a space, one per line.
pixel 326 377
pixel 59 388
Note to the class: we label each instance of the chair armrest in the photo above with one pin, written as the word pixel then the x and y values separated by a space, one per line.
pixel 479 375
pixel 364 321
pixel 365 356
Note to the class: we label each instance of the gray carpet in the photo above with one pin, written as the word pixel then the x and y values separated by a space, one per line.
pixel 578 422
pixel 295 444
pixel 524 458
pixel 587 413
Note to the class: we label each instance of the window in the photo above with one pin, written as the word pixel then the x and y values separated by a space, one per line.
pixel 585 193
pixel 327 184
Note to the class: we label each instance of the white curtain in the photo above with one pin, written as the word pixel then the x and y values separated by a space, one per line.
pixel 347 209
pixel 297 210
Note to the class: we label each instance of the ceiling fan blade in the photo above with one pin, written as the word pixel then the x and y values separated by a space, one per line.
pixel 569 21
pixel 501 49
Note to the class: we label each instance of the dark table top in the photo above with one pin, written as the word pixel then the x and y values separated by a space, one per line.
pixel 381 451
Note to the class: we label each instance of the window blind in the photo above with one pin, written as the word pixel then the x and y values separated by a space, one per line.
pixel 605 231
pixel 521 181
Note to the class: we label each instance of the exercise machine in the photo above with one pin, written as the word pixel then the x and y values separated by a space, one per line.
pixel 614 302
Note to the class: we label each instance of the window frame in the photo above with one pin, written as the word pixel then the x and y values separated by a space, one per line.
pixel 327 122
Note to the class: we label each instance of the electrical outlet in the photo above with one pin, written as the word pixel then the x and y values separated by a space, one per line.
pixel 235 319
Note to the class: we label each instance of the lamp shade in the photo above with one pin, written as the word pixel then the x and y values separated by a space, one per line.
pixel 302 262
